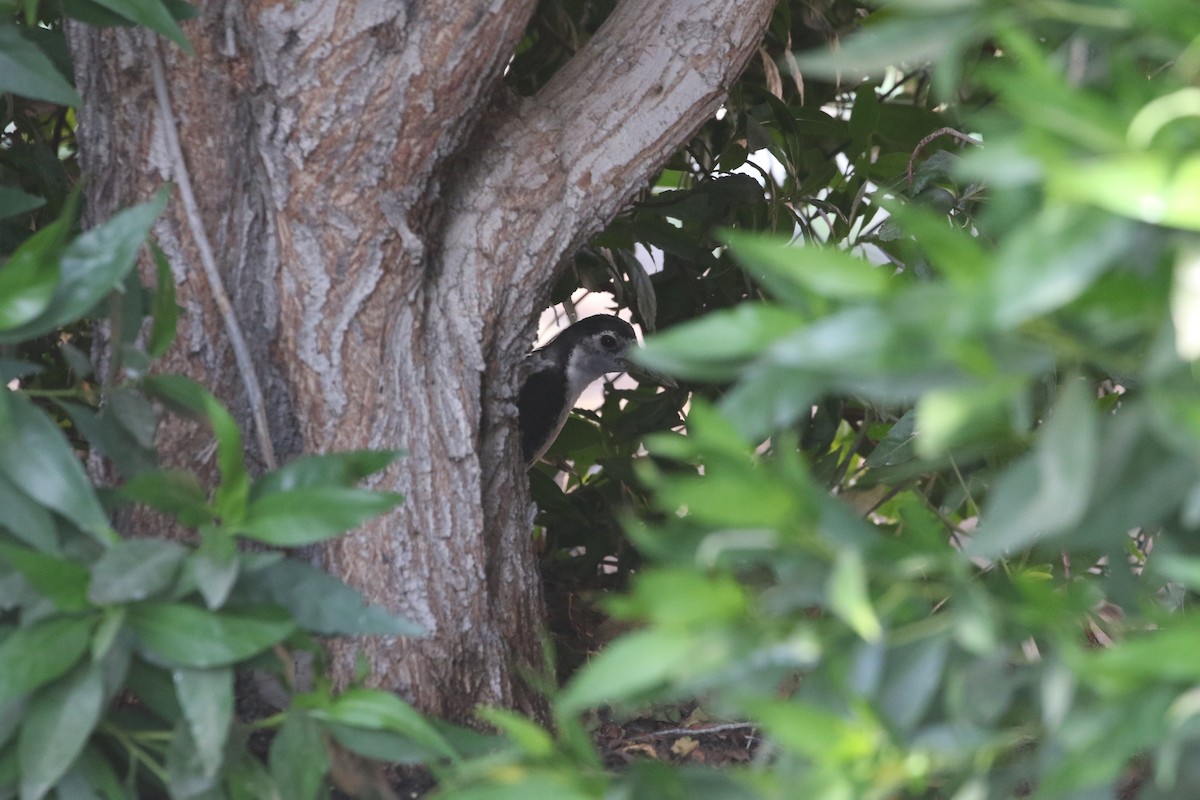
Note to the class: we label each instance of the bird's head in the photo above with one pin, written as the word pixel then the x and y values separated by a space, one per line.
pixel 594 347
pixel 560 370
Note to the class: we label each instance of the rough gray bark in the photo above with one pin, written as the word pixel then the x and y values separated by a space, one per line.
pixel 388 221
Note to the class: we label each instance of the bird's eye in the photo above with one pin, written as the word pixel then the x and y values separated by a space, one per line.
pixel 608 341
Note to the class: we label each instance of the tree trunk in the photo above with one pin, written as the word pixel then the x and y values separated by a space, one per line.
pixel 387 219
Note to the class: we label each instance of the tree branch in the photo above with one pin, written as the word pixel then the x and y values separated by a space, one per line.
pixel 566 161
pixel 237 341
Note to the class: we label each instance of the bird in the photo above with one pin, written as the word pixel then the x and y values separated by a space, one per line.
pixel 560 370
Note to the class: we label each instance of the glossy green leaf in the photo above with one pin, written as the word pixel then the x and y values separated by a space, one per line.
pixel 312 514
pixel 38 460
pixel 29 277
pixel 298 759
pixel 135 569
pixel 320 602
pixel 381 710
pixel 26 71
pixel 11 368
pixel 58 722
pixel 26 519
pixel 170 491
pixel 331 469
pixel 791 271
pixel 13 201
pixel 898 446
pixel 215 567
pixel 187 775
pixel 35 655
pixel 731 339
pixel 206 697
pixel 178 634
pixel 93 264
pixel 378 745
pixel 63 581
pixel 165 311
pixel 91 776
pixel 151 14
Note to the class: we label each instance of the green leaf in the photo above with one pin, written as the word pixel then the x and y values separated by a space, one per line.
pixel 186 773
pixel 164 311
pixel 91 777
pixel 954 252
pixel 12 368
pixel 29 277
pixel 35 655
pixel 1031 278
pixel 135 569
pixel 151 14
pixel 341 469
pixel 320 603
pixel 206 697
pixel 731 339
pixel 1169 654
pixel 630 666
pixel 61 580
pixel 379 745
pixel 191 398
pixel 849 598
pixel 793 272
pixel 1047 491
pixel 106 432
pixel 13 201
pixel 93 264
pixel 58 722
pixel 313 514
pixel 375 709
pixel 816 732
pixel 37 460
pixel 898 446
pixel 27 520
pixel 215 567
pixel 534 740
pixel 1158 188
pixel 682 597
pixel 298 758
pixel 892 42
pixel 177 634
pixel 911 679
pixel 173 492
pixel 26 71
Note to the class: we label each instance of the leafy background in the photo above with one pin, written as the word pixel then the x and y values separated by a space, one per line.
pixel 929 531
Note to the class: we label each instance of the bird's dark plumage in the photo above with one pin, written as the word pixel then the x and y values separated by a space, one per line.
pixel 560 371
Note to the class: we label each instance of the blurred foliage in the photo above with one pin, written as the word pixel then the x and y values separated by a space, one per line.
pixel 931 529
pixel 931 297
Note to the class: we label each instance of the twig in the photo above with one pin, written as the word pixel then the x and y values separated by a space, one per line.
pixel 722 728
pixel 241 352
pixel 940 132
